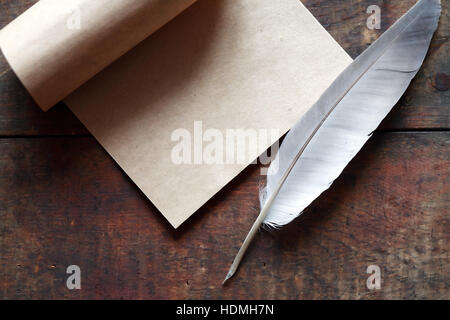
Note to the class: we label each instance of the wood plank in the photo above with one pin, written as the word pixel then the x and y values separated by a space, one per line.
pixel 63 201
pixel 425 104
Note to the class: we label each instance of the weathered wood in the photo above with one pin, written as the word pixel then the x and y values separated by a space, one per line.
pixel 423 106
pixel 63 201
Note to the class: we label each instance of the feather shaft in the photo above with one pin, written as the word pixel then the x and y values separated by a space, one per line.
pixel 365 92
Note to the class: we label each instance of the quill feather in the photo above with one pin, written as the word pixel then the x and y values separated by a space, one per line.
pixel 321 144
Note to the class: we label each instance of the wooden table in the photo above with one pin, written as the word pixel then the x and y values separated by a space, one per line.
pixel 63 201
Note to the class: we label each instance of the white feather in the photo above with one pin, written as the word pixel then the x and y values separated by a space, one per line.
pixel 330 134
pixel 342 120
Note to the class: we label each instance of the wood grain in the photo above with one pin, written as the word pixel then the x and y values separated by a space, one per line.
pixel 64 201
pixel 423 106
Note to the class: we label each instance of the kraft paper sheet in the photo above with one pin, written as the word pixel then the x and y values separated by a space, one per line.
pixel 134 74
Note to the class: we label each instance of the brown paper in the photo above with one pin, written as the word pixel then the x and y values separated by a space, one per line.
pixel 53 54
pixel 249 64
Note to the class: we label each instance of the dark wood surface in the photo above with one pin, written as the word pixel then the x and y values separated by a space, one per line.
pixel 64 201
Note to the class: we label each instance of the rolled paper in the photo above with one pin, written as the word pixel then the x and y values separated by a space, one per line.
pixel 249 66
pixel 57 45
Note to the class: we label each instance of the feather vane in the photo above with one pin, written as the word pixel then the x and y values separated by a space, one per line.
pixel 321 144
